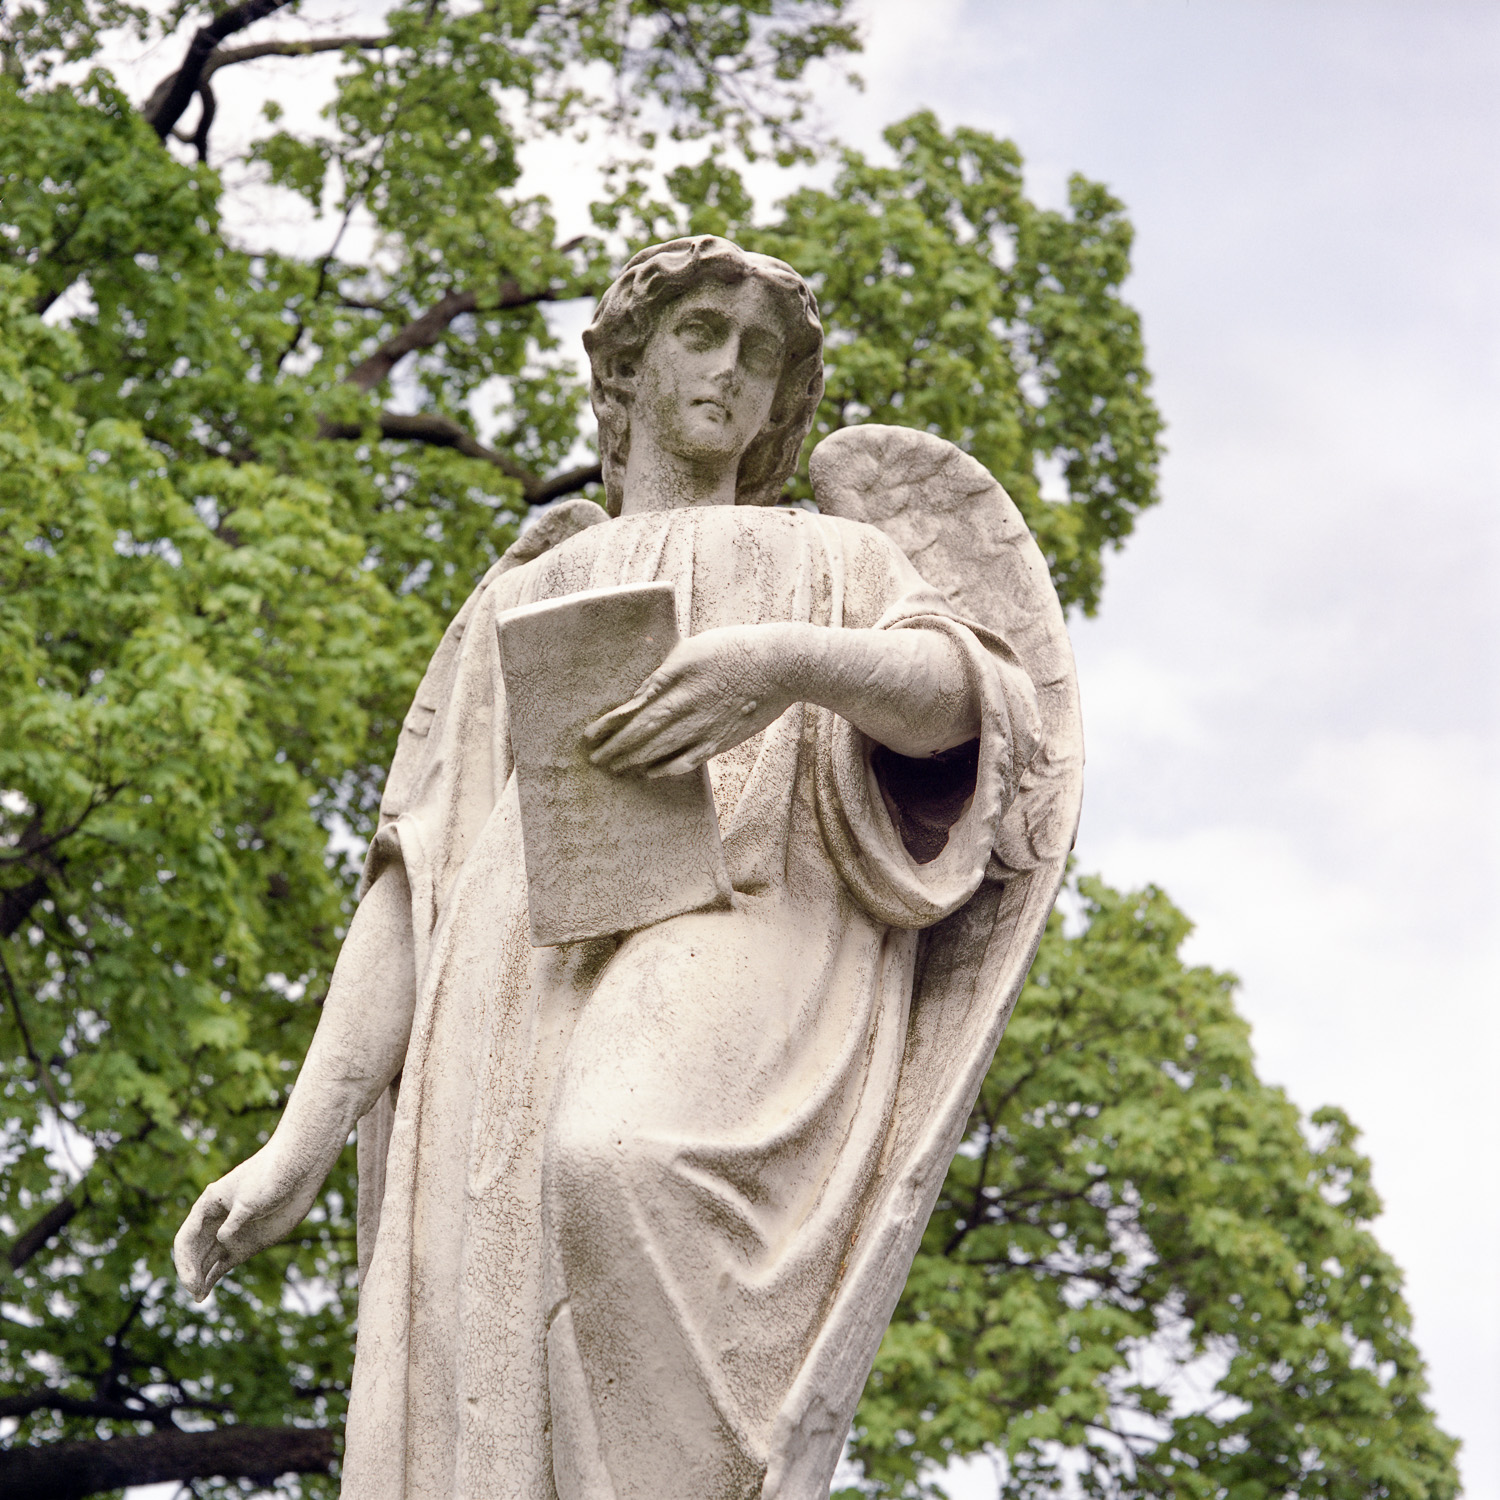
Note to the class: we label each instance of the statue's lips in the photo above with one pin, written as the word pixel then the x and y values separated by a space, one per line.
pixel 717 406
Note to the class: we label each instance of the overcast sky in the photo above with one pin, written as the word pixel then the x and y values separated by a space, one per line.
pixel 1291 690
pixel 1290 693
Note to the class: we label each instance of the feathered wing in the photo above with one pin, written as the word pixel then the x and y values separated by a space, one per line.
pixel 965 536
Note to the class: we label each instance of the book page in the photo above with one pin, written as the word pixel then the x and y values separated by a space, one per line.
pixel 604 853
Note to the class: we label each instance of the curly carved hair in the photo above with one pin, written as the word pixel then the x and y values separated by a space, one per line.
pixel 630 312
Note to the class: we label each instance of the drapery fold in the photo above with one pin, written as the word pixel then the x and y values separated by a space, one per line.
pixel 622 1176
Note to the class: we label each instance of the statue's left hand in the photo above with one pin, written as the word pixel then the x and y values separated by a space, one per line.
pixel 715 690
pixel 907 689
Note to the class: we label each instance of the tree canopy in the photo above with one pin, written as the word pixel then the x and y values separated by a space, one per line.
pixel 242 491
pixel 1145 1275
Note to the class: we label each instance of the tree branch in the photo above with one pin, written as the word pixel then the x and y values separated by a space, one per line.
pixel 423 332
pixel 420 333
pixel 186 80
pixel 437 431
pixel 976 1209
pixel 205 119
pixel 30 1241
pixel 34 848
pixel 75 1406
pixel 16 902
pixel 226 57
pixel 569 482
pixel 69 1471
pixel 444 432
pixel 43 1075
pixel 33 841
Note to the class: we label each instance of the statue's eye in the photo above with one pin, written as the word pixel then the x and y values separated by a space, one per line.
pixel 762 355
pixel 701 332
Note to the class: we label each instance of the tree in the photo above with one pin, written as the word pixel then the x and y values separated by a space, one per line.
pixel 242 492
pixel 223 563
pixel 179 707
pixel 1142 1272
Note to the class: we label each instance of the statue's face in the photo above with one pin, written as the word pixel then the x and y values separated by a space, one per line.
pixel 708 376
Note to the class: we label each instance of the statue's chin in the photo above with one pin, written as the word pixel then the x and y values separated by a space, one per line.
pixel 706 434
pixel 710 448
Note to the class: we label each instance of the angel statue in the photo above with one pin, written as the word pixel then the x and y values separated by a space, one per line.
pixel 636 1207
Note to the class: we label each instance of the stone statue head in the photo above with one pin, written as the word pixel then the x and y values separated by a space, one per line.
pixel 630 313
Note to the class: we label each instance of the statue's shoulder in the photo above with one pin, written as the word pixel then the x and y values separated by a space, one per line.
pixel 503 585
pixel 869 555
pixel 548 530
pixel 790 520
pixel 853 531
pixel 791 530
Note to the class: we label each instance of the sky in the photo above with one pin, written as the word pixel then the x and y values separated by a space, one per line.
pixel 1292 689
pixel 1291 692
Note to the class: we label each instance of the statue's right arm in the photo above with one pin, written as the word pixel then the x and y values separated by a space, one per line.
pixel 358 1048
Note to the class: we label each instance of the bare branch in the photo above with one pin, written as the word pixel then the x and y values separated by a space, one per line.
pixel 420 333
pixel 69 1471
pixel 423 332
pixel 439 432
pixel 43 1074
pixel 74 1406
pixel 30 1241
pixel 569 482
pixel 17 901
pixel 205 119
pixel 33 842
pixel 226 57
pixel 163 115
pixel 444 432
pixel 35 850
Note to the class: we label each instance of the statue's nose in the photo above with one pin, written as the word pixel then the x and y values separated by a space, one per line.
pixel 727 366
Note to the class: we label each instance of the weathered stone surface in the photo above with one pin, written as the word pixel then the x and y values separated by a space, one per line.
pixel 604 853
pixel 637 1215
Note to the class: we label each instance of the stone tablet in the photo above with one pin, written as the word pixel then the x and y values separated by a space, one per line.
pixel 604 853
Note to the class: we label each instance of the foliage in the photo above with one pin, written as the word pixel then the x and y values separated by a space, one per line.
pixel 180 708
pixel 241 493
pixel 953 303
pixel 1142 1274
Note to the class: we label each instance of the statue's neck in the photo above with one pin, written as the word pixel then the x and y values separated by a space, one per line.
pixel 658 480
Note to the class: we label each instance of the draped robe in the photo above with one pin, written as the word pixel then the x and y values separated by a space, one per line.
pixel 623 1176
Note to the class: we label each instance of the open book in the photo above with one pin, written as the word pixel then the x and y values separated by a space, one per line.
pixel 604 853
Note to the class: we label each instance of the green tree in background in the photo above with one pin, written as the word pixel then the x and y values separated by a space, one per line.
pixel 1142 1272
pixel 242 491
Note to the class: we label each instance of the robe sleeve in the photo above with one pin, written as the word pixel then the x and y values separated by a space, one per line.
pixel 883 816
pixel 452 759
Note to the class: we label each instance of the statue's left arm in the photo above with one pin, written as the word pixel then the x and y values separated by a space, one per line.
pixel 905 689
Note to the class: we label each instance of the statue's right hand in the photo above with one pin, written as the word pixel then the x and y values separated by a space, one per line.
pixel 260 1202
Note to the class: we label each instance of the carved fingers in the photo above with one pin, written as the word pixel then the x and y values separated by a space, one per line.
pixel 712 692
pixel 254 1206
pixel 196 1251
